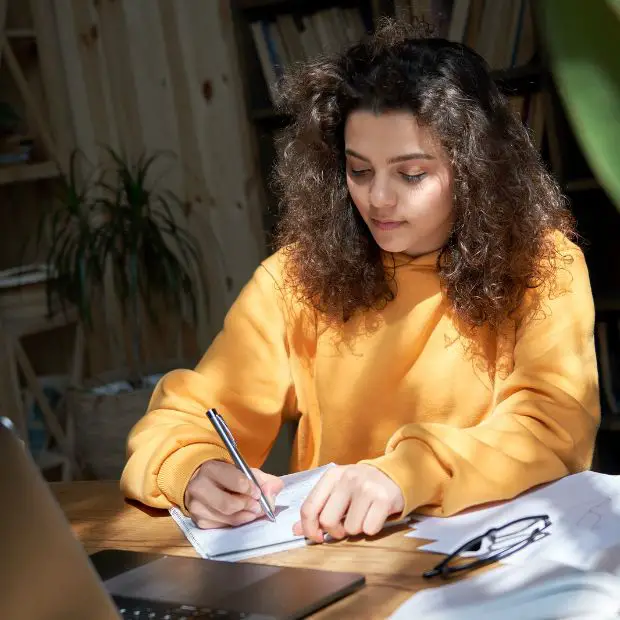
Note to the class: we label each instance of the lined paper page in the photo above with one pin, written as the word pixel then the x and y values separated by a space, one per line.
pixel 260 536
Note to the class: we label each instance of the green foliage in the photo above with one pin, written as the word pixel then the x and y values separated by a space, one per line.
pixel 118 219
pixel 75 270
pixel 139 233
pixel 582 40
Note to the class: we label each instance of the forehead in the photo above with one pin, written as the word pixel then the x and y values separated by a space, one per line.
pixel 392 133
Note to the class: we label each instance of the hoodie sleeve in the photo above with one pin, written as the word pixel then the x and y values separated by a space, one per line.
pixel 542 425
pixel 245 374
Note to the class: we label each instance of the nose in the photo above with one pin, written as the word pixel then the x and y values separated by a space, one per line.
pixel 381 193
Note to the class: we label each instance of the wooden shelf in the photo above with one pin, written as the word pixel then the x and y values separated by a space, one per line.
pixel 525 78
pixel 28 172
pixel 20 33
pixel 531 70
pixel 270 7
pixel 246 5
pixel 288 5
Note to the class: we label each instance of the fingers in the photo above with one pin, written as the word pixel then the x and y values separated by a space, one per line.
pixel 271 485
pixel 211 502
pixel 313 506
pixel 229 477
pixel 375 518
pixel 348 501
pixel 333 513
pixel 208 518
pixel 207 492
pixel 211 506
pixel 356 515
pixel 218 494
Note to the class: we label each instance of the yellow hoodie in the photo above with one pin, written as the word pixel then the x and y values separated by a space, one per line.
pixel 453 421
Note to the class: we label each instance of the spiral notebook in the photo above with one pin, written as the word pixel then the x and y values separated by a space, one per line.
pixel 261 536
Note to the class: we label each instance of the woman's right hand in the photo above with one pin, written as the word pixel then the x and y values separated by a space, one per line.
pixel 219 495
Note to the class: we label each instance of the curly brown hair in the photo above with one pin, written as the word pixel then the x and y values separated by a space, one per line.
pixel 506 205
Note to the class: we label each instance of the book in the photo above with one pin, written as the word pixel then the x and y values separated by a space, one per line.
pixel 260 536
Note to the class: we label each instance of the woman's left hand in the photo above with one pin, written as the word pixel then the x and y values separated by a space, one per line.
pixel 349 500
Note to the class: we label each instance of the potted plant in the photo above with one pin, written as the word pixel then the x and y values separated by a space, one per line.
pixel 119 222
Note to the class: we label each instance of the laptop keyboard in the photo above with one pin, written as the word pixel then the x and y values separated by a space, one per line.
pixel 137 609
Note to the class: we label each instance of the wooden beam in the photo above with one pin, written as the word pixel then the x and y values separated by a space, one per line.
pixel 80 113
pixel 51 421
pixel 20 33
pixel 221 126
pixel 95 75
pixel 93 114
pixel 11 401
pixel 28 172
pixel 76 376
pixel 4 7
pixel 33 107
pixel 213 278
pixel 150 74
pixel 54 78
pixel 124 98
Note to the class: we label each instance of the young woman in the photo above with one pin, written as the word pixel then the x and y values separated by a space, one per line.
pixel 427 319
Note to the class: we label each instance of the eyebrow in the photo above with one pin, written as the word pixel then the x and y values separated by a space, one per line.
pixel 392 160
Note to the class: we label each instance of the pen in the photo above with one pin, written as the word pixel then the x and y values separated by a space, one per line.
pixel 231 445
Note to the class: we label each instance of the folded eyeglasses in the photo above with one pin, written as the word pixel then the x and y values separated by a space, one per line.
pixel 492 546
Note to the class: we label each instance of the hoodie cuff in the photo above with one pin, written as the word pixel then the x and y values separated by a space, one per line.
pixel 412 465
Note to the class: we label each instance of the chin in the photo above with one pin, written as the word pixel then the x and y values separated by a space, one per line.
pixel 391 245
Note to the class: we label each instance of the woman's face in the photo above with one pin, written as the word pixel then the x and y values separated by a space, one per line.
pixel 400 180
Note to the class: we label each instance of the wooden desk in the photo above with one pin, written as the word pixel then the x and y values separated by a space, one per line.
pixel 101 519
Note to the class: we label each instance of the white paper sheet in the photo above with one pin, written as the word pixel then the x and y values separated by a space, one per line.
pixel 539 590
pixel 585 519
pixel 261 536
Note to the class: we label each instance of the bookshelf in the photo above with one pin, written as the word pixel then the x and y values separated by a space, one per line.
pixel 504 32
pixel 291 30
pixel 34 126
pixel 273 34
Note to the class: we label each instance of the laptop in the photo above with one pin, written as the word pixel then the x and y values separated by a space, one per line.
pixel 45 574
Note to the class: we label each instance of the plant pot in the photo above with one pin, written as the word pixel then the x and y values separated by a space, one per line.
pixel 102 422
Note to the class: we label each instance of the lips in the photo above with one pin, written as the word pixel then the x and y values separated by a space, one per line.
pixel 387 224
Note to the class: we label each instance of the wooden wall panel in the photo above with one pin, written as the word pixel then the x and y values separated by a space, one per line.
pixel 53 78
pixel 79 105
pixel 115 41
pixel 222 130
pixel 212 277
pixel 94 77
pixel 162 75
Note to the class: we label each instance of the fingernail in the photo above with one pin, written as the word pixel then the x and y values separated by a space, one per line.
pixel 256 508
pixel 255 492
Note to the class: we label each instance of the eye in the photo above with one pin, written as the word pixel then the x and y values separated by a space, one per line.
pixel 358 173
pixel 413 178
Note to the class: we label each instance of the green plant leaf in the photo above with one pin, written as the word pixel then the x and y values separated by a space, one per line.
pixel 583 47
pixel 126 222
